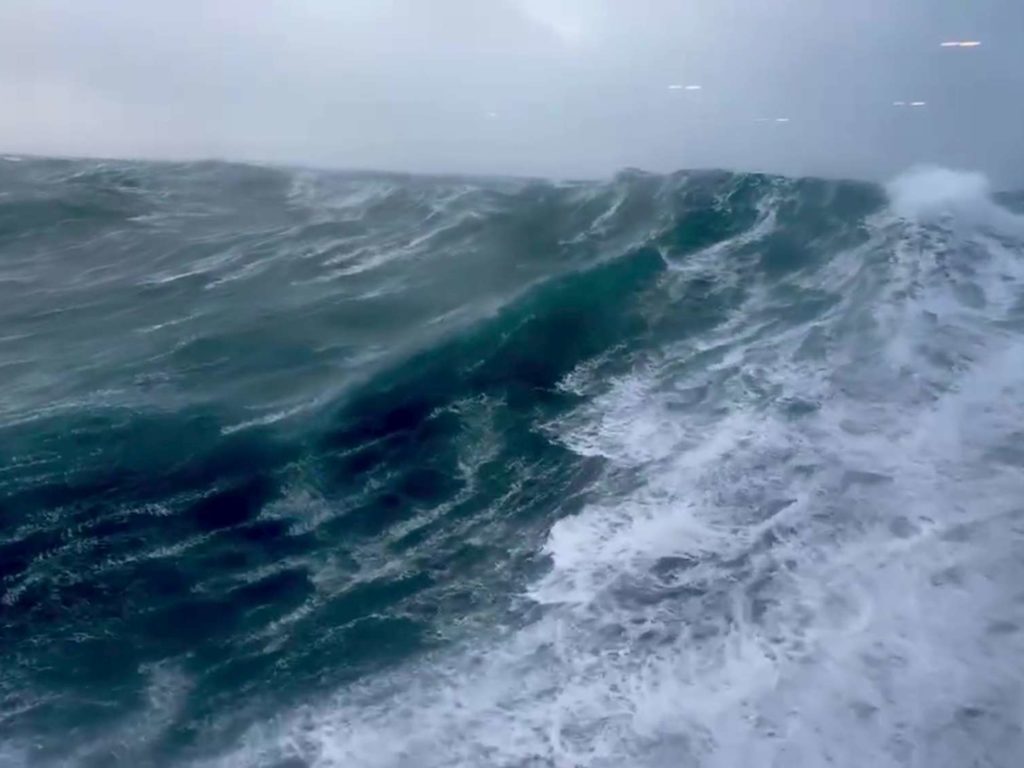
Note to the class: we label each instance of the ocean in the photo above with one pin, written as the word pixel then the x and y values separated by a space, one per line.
pixel 305 469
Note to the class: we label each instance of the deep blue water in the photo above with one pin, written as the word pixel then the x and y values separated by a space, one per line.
pixel 304 468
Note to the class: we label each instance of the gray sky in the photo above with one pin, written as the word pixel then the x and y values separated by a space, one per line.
pixel 547 87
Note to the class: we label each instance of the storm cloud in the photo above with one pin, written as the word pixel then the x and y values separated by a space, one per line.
pixel 532 87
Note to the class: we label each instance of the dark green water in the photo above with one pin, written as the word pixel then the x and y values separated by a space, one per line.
pixel 319 469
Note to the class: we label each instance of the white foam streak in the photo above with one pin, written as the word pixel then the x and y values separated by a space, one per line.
pixel 838 587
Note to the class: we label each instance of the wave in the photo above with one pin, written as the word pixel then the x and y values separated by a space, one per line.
pixel 705 469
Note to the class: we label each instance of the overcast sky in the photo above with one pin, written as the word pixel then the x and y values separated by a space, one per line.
pixel 538 87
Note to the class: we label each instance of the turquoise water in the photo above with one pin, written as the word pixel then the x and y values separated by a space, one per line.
pixel 303 468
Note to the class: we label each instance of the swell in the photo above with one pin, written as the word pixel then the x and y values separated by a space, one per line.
pixel 170 540
pixel 405 506
pixel 801 547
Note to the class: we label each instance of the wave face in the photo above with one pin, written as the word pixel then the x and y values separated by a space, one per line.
pixel 305 469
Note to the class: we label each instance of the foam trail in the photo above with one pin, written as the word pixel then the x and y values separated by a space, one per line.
pixel 820 567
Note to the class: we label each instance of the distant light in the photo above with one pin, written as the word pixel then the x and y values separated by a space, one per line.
pixel 693 87
pixel 899 103
pixel 961 44
pixel 492 115
pixel 781 119
pixel 762 119
pixel 918 103
pixel 675 87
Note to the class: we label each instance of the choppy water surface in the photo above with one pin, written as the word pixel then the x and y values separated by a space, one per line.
pixel 320 469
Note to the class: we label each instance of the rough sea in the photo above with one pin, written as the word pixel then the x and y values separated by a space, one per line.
pixel 308 469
